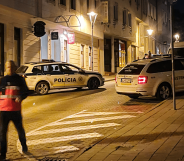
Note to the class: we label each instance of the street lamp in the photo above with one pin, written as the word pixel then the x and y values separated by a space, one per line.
pixel 150 31
pixel 92 17
pixel 177 37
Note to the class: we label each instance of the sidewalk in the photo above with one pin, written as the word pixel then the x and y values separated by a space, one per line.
pixel 109 78
pixel 157 135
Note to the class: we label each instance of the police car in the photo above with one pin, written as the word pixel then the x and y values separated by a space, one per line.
pixel 43 76
pixel 150 77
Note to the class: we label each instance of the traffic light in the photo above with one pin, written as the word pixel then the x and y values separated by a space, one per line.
pixel 39 28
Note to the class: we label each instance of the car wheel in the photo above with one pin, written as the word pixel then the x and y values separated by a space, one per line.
pixel 163 92
pixel 93 83
pixel 42 88
pixel 132 96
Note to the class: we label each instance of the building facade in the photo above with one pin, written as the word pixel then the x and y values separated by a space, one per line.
pixel 119 34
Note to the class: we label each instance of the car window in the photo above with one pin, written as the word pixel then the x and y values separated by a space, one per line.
pixel 178 65
pixel 45 68
pixel 163 66
pixel 133 69
pixel 36 69
pixel 22 69
pixel 177 51
pixel 69 68
pixel 55 68
pixel 182 63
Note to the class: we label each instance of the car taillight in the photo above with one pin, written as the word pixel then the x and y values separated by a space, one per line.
pixel 142 79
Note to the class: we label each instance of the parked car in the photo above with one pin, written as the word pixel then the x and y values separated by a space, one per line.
pixel 150 77
pixel 43 76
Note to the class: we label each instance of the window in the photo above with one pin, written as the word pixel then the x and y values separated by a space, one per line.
pixel 90 58
pixel 73 4
pixel 155 13
pixel 152 11
pixel 132 69
pixel 65 59
pixel 95 3
pixel 55 68
pixel 129 20
pixel 63 2
pixel 51 1
pixel 124 17
pixel 87 4
pixel 164 66
pixel 116 11
pixel 69 69
pixel 16 52
pixel 137 3
pixel 45 68
pixel 145 6
pixel 22 69
pixel 82 55
pixel 37 69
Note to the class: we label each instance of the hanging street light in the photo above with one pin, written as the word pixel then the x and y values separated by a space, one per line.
pixel 92 17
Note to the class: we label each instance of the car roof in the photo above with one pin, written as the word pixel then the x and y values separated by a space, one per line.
pixel 156 59
pixel 43 63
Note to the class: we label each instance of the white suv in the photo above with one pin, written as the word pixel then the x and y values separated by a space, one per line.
pixel 43 76
pixel 150 77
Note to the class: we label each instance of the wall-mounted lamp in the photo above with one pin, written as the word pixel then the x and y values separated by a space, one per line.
pixel 65 32
pixel 177 37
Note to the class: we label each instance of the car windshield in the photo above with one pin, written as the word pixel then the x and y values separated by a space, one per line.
pixel 22 69
pixel 133 69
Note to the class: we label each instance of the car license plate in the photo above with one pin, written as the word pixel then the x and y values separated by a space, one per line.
pixel 125 81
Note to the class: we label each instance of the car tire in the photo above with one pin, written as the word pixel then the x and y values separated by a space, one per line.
pixel 42 88
pixel 93 83
pixel 132 96
pixel 163 92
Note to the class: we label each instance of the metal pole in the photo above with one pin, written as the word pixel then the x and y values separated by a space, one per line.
pixel 172 56
pixel 92 44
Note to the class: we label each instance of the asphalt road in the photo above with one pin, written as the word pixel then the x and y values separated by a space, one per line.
pixel 100 110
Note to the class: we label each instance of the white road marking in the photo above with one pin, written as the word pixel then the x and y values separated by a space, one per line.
pixel 102 116
pixel 64 149
pixel 90 120
pixel 63 138
pixel 72 129
pixel 86 114
pixel 54 122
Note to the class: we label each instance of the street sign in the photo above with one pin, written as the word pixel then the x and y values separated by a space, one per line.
pixel 71 38
pixel 54 35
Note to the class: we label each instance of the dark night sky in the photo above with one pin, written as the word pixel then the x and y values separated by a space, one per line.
pixel 179 5
pixel 178 18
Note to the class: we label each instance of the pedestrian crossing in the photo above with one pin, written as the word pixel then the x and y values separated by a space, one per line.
pixel 80 126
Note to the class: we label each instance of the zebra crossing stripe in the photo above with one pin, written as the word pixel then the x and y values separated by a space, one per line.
pixel 72 129
pixel 63 138
pixel 64 149
pixel 94 114
pixel 90 120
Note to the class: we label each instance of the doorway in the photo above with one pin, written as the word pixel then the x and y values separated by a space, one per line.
pixel 17 46
pixel 1 49
pixel 107 55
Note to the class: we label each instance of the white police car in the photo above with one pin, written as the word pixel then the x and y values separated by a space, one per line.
pixel 43 76
pixel 150 77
